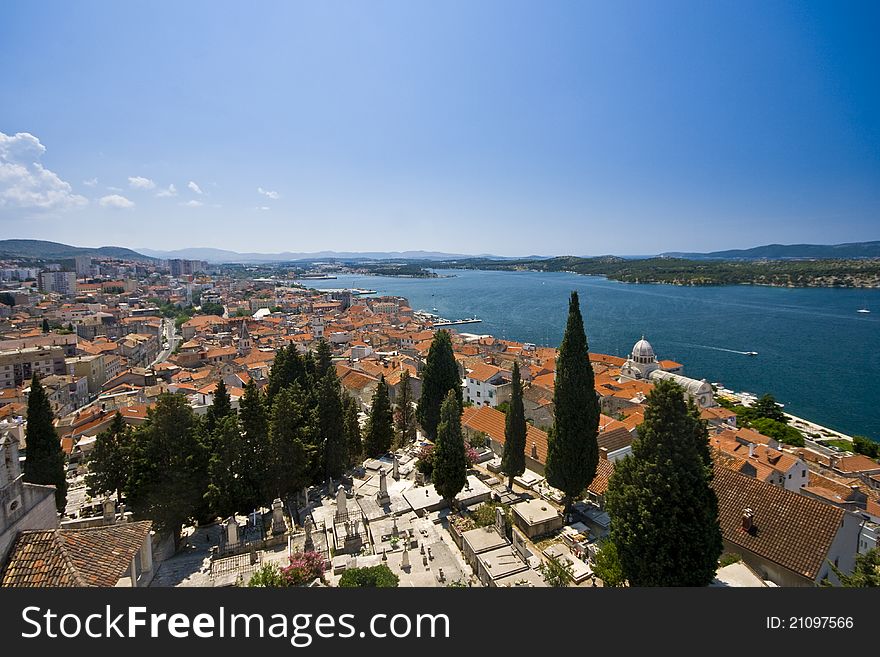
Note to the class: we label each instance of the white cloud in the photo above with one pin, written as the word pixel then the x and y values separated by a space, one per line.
pixel 194 187
pixel 193 204
pixel 91 182
pixel 139 182
pixel 111 188
pixel 171 191
pixel 270 194
pixel 115 201
pixel 25 183
pixel 263 207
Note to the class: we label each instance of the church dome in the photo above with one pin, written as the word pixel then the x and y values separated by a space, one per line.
pixel 643 351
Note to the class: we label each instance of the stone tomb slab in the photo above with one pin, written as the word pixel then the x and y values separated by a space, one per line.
pixel 372 510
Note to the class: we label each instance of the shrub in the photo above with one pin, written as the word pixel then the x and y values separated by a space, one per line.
pixel 304 568
pixel 729 558
pixel 374 577
pixel 268 576
pixel 425 462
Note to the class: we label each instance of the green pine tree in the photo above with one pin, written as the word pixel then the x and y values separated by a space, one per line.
pixel 220 408
pixel 292 431
pixel 287 368
pixel 439 377
pixel 865 574
pixel 380 428
pixel 255 436
pixel 513 462
pixel 323 358
pixel 331 428
pixel 450 459
pixel 768 407
pixel 664 514
pixel 573 453
pixel 169 466
pixel 109 462
pixel 45 459
pixel 352 428
pixel 230 489
pixel 45 325
pixel 405 416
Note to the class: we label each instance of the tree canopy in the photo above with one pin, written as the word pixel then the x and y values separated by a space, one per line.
pixel 45 459
pixel 450 460
pixel 513 462
pixel 439 376
pixel 380 429
pixel 573 453
pixel 110 460
pixel 664 514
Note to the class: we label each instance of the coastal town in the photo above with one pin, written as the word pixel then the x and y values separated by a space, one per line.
pixel 109 341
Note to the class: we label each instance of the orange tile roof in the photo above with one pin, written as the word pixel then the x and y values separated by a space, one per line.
pixel 856 463
pixel 484 371
pixel 98 556
pixel 790 529
pixel 491 422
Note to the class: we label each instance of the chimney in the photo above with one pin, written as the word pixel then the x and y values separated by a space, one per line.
pixel 751 450
pixel 603 453
pixel 748 520
pixel 534 450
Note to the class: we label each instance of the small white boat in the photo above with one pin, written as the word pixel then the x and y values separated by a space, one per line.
pixel 751 353
pixel 863 310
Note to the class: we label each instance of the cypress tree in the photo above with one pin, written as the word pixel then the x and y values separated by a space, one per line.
pixel 405 417
pixel 513 462
pixel 109 462
pixel 230 489
pixel 45 325
pixel 287 368
pixel 450 460
pixel 220 408
pixel 380 429
pixel 439 377
pixel 352 429
pixel 291 432
pixel 331 429
pixel 45 459
pixel 255 436
pixel 323 358
pixel 572 450
pixel 664 514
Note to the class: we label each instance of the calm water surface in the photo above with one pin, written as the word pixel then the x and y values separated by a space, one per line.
pixel 816 354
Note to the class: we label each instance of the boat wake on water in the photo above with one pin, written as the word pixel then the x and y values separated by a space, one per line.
pixel 731 351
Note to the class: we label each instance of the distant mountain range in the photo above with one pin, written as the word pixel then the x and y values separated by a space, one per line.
pixel 221 255
pixel 789 251
pixel 43 250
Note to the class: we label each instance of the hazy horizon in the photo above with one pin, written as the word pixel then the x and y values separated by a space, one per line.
pixel 495 127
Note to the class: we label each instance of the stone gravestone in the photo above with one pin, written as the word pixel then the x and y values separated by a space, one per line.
pixel 341 502
pixel 420 478
pixel 382 496
pixel 109 509
pixel 309 544
pixel 394 530
pixel 353 542
pixel 395 472
pixel 404 559
pixel 500 522
pixel 231 531
pixel 278 526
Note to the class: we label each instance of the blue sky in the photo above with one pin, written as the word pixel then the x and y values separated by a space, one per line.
pixel 503 127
